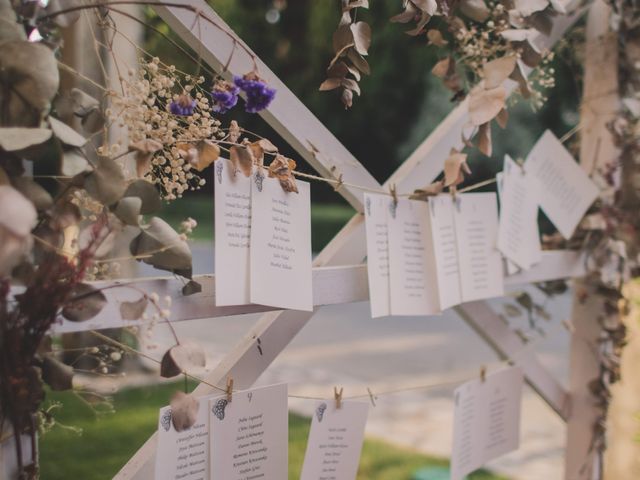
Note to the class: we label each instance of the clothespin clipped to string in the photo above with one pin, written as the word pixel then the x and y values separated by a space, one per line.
pixel 483 373
pixel 394 193
pixel 338 185
pixel 520 163
pixel 371 397
pixel 337 394
pixel 229 389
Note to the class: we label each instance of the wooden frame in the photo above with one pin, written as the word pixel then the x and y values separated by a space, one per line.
pixel 338 275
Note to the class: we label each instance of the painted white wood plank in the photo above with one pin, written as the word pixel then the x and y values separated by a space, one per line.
pixel 331 286
pixel 509 346
pixel 287 115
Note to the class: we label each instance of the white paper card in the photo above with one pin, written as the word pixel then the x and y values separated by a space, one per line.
pixel 250 435
pixel 486 420
pixel 377 229
pixel 518 233
pixel 565 191
pixel 233 231
pixel 280 244
pixel 441 212
pixel 412 272
pixel 335 441
pixel 509 267
pixel 183 455
pixel 476 219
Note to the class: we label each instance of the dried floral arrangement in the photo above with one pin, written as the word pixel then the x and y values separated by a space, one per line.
pixel 482 42
pixel 54 240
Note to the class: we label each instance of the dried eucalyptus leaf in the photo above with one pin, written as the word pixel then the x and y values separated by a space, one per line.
pixel 144 152
pixel 29 73
pixel 530 54
pixel 56 374
pixel 476 10
pixel 361 37
pixel 16 138
pixel 242 158
pixel 342 38
pixel 40 198
pixel 441 68
pixel 542 22
pixel 74 162
pixel 338 69
pixel 429 7
pixel 410 12
pixel 85 303
pixel 128 210
pixel 192 287
pixel 330 84
pixel 485 104
pixel 162 247
pixel 106 182
pixel 528 7
pixel 455 166
pixel 421 23
pixel 147 193
pixel 351 85
pixel 22 217
pixel 435 38
pixel 182 358
pixel 66 134
pixel 134 310
pixel 498 70
pixel 208 152
pixel 358 61
pixel 485 145
pixel 10 29
pixel 184 411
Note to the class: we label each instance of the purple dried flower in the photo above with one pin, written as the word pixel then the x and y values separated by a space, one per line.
pixel 259 94
pixel 184 105
pixel 225 96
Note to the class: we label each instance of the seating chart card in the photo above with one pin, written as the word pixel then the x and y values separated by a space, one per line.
pixel 518 233
pixel 413 282
pixel 250 434
pixel 377 229
pixel 233 231
pixel 486 420
pixel 565 191
pixel 183 455
pixel 510 267
pixel 441 211
pixel 480 263
pixel 280 262
pixel 335 441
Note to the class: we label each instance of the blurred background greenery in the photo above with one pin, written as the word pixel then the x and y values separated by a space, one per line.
pixel 401 101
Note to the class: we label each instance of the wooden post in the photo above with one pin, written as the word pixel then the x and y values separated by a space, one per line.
pixel 599 104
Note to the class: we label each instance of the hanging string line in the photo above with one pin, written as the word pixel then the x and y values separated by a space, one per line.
pixel 370 393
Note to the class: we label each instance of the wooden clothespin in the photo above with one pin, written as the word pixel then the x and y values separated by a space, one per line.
pixel 483 373
pixel 393 192
pixel 453 191
pixel 371 397
pixel 337 394
pixel 520 163
pixel 338 185
pixel 229 389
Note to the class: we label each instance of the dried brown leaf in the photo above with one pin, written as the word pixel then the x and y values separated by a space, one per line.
pixel 181 358
pixel 420 24
pixel 135 309
pixel 242 158
pixel 347 98
pixel 281 168
pixel 184 410
pixel 144 152
pixel 485 104
pixel 330 84
pixel 85 303
pixel 358 61
pixel 498 70
pixel 484 139
pixel 435 38
pixel 234 131
pixel 361 32
pixel 342 38
pixel 410 12
pixel 455 167
pixel 430 7
pixel 518 76
pixel 476 10
pixel 207 153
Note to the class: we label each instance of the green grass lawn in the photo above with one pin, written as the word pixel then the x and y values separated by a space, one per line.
pixel 109 440
pixel 326 219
